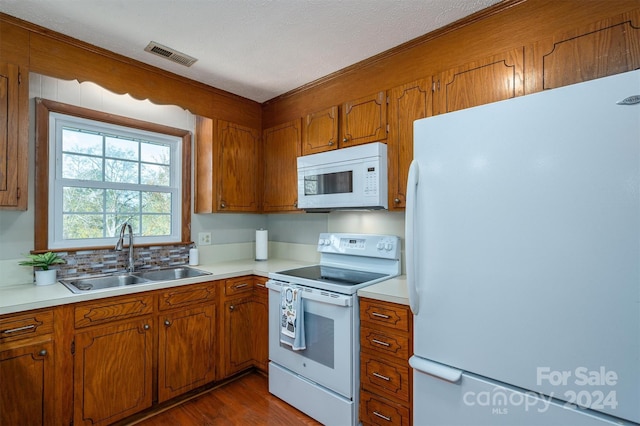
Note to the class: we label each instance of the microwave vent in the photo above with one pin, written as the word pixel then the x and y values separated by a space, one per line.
pixel 170 54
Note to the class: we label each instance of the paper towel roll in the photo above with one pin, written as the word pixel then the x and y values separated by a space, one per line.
pixel 262 244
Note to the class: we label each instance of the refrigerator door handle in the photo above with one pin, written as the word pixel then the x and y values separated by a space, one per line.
pixel 435 369
pixel 410 232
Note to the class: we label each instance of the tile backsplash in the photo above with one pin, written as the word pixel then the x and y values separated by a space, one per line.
pixel 104 261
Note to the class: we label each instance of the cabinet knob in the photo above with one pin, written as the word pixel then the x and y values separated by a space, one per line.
pixel 345 140
pixel 42 352
pixel 331 142
pixel 146 326
pixel 223 205
pixel 295 204
pixel 396 200
pixel 167 323
pixel 231 308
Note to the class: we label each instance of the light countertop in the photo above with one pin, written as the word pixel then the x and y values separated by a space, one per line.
pixel 24 297
pixel 393 290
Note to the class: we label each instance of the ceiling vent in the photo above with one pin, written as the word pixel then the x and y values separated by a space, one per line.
pixel 171 54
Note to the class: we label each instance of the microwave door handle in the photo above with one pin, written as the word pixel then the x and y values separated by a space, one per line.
pixel 410 235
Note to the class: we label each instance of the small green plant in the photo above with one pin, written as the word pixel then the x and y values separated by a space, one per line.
pixel 42 260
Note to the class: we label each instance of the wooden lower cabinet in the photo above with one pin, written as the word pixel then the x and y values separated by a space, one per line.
pixel 386 343
pixel 105 360
pixel 113 371
pixel 237 343
pixel 244 330
pixel 186 351
pixel 261 324
pixel 26 380
pixel 27 365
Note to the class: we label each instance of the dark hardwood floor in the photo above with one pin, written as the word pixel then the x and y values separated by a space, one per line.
pixel 245 401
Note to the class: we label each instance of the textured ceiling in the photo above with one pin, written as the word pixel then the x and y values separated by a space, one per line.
pixel 258 49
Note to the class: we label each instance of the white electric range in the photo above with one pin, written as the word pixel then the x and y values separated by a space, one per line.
pixel 323 379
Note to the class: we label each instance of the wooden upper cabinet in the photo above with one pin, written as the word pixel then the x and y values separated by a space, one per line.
pixel 491 79
pixel 281 148
pixel 236 151
pixel 407 103
pixel 227 167
pixel 14 98
pixel 320 131
pixel 607 47
pixel 364 120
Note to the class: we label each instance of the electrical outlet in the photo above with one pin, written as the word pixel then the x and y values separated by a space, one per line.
pixel 204 238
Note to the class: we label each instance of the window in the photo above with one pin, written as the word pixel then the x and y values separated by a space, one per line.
pixel 105 170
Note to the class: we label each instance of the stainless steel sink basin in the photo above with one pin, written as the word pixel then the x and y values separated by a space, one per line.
pixel 87 284
pixel 81 285
pixel 172 274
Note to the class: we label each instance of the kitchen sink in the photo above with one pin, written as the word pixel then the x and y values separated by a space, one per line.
pixel 102 282
pixel 171 274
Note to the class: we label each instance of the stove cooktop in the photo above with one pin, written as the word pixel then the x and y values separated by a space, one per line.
pixel 348 262
pixel 332 275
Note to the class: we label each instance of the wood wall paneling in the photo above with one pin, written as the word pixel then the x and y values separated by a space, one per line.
pixel 508 25
pixel 56 55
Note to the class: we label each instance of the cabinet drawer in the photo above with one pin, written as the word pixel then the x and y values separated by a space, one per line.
pixel 21 326
pixel 394 345
pixel 238 286
pixel 379 375
pixel 112 310
pixel 386 314
pixel 379 411
pixel 185 296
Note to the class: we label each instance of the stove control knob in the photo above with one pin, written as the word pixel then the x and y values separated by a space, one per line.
pixel 388 247
pixel 380 245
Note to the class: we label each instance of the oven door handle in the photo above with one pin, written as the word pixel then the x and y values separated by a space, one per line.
pixel 317 295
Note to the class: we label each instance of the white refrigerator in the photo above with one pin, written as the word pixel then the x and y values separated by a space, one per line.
pixel 523 259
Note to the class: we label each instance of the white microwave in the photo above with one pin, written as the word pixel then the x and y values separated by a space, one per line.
pixel 348 178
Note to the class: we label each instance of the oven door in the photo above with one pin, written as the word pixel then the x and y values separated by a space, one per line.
pixel 328 327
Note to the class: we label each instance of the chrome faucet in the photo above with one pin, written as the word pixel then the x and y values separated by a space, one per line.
pixel 120 243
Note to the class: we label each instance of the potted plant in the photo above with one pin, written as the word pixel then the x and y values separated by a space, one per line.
pixel 44 276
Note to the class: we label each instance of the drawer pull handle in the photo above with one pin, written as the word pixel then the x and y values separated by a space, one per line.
pixel 380 342
pixel 380 376
pixel 375 413
pixel 15 330
pixel 240 285
pixel 375 314
pixel 260 285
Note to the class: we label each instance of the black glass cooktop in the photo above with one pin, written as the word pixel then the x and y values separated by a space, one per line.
pixel 332 275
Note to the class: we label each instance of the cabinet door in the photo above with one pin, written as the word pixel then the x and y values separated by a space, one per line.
pixel 13 143
pixel 407 103
pixel 364 120
pixel 185 351
pixel 492 79
pixel 261 325
pixel 608 47
pixel 281 148
pixel 236 150
pixel 320 131
pixel 113 372
pixel 26 380
pixel 237 340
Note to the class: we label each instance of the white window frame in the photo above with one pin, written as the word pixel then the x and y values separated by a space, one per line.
pixel 55 214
